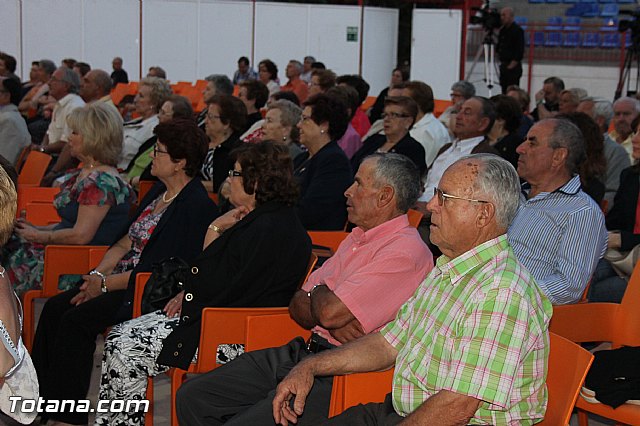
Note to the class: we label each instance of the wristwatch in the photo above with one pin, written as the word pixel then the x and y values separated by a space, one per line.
pixel 103 278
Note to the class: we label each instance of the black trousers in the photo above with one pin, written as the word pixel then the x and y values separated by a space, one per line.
pixel 509 77
pixel 372 414
pixel 64 344
pixel 240 392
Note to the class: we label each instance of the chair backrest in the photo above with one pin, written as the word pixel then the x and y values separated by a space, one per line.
pixel 568 366
pixel 360 388
pixel 143 187
pixel 330 239
pixel 59 259
pixel 414 217
pixel 268 331
pixel 34 168
pixel 313 259
pixel 223 326
pixel 627 333
pixel 29 194
pixel 41 213
pixel 141 281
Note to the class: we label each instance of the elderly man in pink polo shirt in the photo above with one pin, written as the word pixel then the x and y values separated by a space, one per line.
pixel 356 292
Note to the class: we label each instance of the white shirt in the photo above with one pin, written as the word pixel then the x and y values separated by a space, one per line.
pixel 59 130
pixel 457 150
pixel 135 134
pixel 431 134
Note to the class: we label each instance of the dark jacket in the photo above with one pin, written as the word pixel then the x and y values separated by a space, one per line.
pixel 323 179
pixel 259 262
pixel 407 146
pixel 180 232
pixel 622 216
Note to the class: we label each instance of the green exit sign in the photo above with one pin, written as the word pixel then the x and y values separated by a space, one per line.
pixel 352 34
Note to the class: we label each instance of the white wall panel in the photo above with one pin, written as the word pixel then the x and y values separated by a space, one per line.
pixel 51 30
pixel 112 29
pixel 224 36
pixel 328 37
pixel 281 34
pixel 380 47
pixel 435 51
pixel 169 38
pixel 10 41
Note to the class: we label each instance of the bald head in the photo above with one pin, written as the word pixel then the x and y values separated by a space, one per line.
pixel 507 16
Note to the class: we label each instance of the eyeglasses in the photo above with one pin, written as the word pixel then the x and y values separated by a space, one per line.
pixel 393 115
pixel 234 173
pixel 304 118
pixel 213 117
pixel 443 196
pixel 157 151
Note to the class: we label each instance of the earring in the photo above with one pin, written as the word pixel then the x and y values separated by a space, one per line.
pixel 322 131
pixel 284 138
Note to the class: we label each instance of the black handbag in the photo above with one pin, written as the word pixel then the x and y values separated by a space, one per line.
pixel 166 281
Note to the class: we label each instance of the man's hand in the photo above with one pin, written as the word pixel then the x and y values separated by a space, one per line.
pixel 539 95
pixel 351 331
pixel 512 65
pixel 296 385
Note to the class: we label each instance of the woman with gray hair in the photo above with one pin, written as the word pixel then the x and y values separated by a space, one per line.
pixel 280 126
pixel 93 202
pixel 152 92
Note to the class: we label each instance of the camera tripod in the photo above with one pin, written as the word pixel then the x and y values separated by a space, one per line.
pixel 488 47
pixel 632 56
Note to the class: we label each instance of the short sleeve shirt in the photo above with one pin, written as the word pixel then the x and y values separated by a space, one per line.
pixel 477 326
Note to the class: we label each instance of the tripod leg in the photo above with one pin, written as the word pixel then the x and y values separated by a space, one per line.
pixel 475 61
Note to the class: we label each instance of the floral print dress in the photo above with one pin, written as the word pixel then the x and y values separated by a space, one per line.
pixel 25 260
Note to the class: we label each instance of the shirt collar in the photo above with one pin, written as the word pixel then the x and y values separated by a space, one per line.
pixel 570 188
pixel 461 143
pixel 460 266
pixel 66 99
pixel 424 121
pixel 360 236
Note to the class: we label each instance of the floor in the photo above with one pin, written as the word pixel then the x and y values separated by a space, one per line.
pixel 162 394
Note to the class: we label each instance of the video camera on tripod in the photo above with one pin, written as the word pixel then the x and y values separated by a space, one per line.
pixel 487 16
pixel 631 24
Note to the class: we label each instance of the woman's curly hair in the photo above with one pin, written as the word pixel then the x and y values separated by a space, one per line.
pixel 267 171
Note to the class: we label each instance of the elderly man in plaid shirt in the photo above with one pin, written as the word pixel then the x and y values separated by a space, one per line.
pixel 471 346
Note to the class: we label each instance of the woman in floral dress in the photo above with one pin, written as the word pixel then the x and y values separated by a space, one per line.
pixel 93 202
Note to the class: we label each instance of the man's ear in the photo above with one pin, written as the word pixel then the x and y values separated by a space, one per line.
pixel 559 157
pixel 385 195
pixel 486 214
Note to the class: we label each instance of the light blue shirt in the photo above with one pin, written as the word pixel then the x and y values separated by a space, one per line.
pixel 559 237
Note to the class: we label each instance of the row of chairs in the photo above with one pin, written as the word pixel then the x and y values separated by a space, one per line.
pixel 605 40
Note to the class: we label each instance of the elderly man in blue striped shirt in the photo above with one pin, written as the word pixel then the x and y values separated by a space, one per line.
pixel 559 232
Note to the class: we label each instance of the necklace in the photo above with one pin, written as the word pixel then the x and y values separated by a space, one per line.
pixel 170 199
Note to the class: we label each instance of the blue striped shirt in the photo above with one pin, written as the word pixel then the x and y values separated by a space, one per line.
pixel 559 237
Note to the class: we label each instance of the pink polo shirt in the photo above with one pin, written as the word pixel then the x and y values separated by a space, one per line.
pixel 373 273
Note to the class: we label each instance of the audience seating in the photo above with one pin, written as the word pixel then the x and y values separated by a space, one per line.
pixel 568 366
pixel 330 239
pixel 414 217
pixel 610 10
pixel 41 213
pixel 31 194
pixel 219 326
pixel 143 187
pixel 34 169
pixel 58 260
pixel 268 331
pixel 603 322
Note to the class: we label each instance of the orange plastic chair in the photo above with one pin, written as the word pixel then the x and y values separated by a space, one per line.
pixel 30 194
pixel 359 388
pixel 41 214
pixel 201 84
pixel 268 331
pixel 143 187
pixel 368 103
pixel 330 239
pixel 415 217
pixel 568 367
pixel 440 106
pixel 34 169
pixel 603 322
pixel 22 157
pixel 214 197
pixel 119 92
pixel 58 260
pixel 219 326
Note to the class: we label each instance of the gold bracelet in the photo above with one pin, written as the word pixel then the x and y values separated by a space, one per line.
pixel 215 228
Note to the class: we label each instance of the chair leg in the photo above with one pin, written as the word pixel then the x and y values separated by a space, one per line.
pixel 583 417
pixel 177 378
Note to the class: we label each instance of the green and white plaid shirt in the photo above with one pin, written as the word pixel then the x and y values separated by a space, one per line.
pixel 477 326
